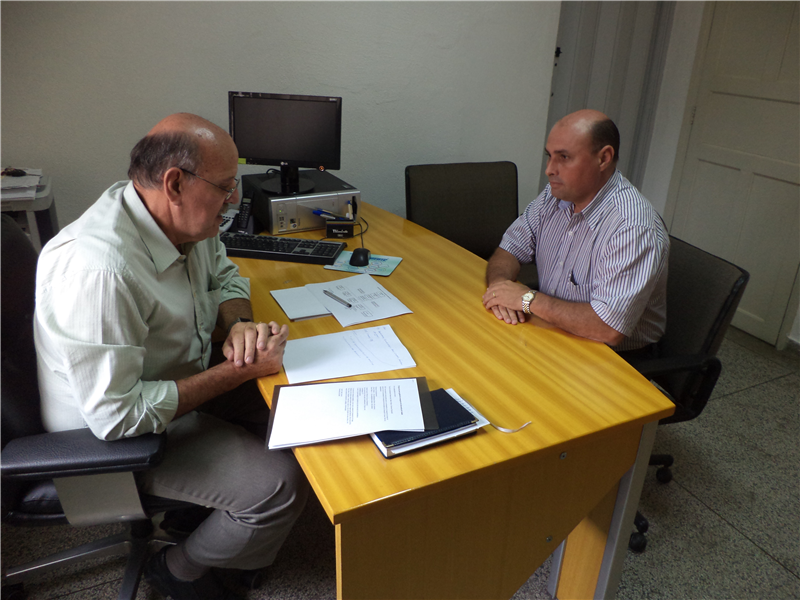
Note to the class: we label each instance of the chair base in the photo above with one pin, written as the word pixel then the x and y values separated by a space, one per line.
pixel 638 542
pixel 664 474
pixel 136 543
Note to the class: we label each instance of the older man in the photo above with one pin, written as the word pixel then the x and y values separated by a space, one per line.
pixel 599 246
pixel 127 299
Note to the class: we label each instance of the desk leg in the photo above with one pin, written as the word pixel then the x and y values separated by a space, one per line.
pixel 609 524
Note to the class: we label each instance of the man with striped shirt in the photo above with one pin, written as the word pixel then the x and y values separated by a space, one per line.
pixel 600 247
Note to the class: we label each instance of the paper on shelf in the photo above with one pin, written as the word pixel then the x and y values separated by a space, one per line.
pixel 344 354
pixel 18 193
pixel 27 181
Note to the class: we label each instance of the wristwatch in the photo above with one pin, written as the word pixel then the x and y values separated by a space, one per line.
pixel 527 298
pixel 239 320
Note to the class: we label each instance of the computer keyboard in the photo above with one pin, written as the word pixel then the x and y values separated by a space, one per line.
pixel 269 247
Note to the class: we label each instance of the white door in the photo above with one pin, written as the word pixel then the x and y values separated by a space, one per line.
pixel 739 194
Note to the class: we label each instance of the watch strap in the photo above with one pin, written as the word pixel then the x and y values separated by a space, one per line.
pixel 526 304
pixel 239 320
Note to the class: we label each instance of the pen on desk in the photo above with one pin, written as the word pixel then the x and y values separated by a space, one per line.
pixel 339 300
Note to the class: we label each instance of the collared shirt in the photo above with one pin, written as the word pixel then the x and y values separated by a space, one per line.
pixel 613 255
pixel 121 315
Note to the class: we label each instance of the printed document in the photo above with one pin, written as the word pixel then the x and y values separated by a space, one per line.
pixel 306 414
pixel 344 354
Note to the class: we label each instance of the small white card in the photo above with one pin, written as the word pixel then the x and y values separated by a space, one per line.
pixel 299 303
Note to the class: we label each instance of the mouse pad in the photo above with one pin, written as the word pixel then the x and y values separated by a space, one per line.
pixel 378 264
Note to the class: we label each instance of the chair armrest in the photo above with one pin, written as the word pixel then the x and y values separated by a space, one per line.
pixel 658 367
pixel 79 452
pixel 687 380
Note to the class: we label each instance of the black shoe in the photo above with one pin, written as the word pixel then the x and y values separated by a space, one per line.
pixel 205 588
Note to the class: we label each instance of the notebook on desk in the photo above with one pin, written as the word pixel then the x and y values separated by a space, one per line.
pixel 454 421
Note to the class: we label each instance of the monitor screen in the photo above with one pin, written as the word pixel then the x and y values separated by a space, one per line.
pixel 287 131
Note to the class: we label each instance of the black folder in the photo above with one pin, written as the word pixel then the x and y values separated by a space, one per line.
pixel 454 421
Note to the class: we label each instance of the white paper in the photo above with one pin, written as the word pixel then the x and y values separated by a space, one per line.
pixel 344 354
pixel 299 303
pixel 18 194
pixel 26 181
pixel 369 299
pixel 329 411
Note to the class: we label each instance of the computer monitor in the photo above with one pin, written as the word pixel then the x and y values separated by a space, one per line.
pixel 287 131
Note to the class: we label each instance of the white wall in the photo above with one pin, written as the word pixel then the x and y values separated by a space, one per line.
pixel 420 81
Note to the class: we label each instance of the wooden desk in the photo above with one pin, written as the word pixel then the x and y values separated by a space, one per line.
pixel 474 518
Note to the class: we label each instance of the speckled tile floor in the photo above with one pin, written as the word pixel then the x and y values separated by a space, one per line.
pixel 726 527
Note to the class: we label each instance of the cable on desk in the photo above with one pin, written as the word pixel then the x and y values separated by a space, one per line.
pixel 362 229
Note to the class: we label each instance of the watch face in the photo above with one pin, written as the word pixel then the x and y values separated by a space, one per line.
pixel 527 296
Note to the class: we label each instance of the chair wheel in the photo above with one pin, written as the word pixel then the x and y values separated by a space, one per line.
pixel 253 579
pixel 637 542
pixel 15 591
pixel 641 523
pixel 664 475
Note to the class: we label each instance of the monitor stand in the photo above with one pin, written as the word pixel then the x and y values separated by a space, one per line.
pixel 290 183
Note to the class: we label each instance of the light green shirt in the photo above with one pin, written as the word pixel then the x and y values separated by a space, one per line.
pixel 121 315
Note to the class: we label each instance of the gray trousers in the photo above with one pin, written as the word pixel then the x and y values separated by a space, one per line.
pixel 217 457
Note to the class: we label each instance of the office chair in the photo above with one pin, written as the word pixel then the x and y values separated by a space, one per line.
pixel 703 292
pixel 471 204
pixel 68 476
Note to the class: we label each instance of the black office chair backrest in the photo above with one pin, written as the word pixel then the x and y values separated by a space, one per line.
pixel 471 204
pixel 19 387
pixel 703 292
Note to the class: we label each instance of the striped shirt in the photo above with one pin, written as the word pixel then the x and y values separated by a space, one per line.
pixel 613 255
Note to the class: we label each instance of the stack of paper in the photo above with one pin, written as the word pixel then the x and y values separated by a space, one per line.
pixel 455 416
pixel 307 414
pixel 20 188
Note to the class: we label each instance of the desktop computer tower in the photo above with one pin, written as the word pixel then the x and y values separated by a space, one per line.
pixel 279 213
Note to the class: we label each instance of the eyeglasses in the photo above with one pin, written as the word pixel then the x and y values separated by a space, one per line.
pixel 224 189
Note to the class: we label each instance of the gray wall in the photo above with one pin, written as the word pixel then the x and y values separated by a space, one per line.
pixel 420 81
pixel 672 103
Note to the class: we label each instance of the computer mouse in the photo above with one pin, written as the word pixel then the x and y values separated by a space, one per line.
pixel 360 257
